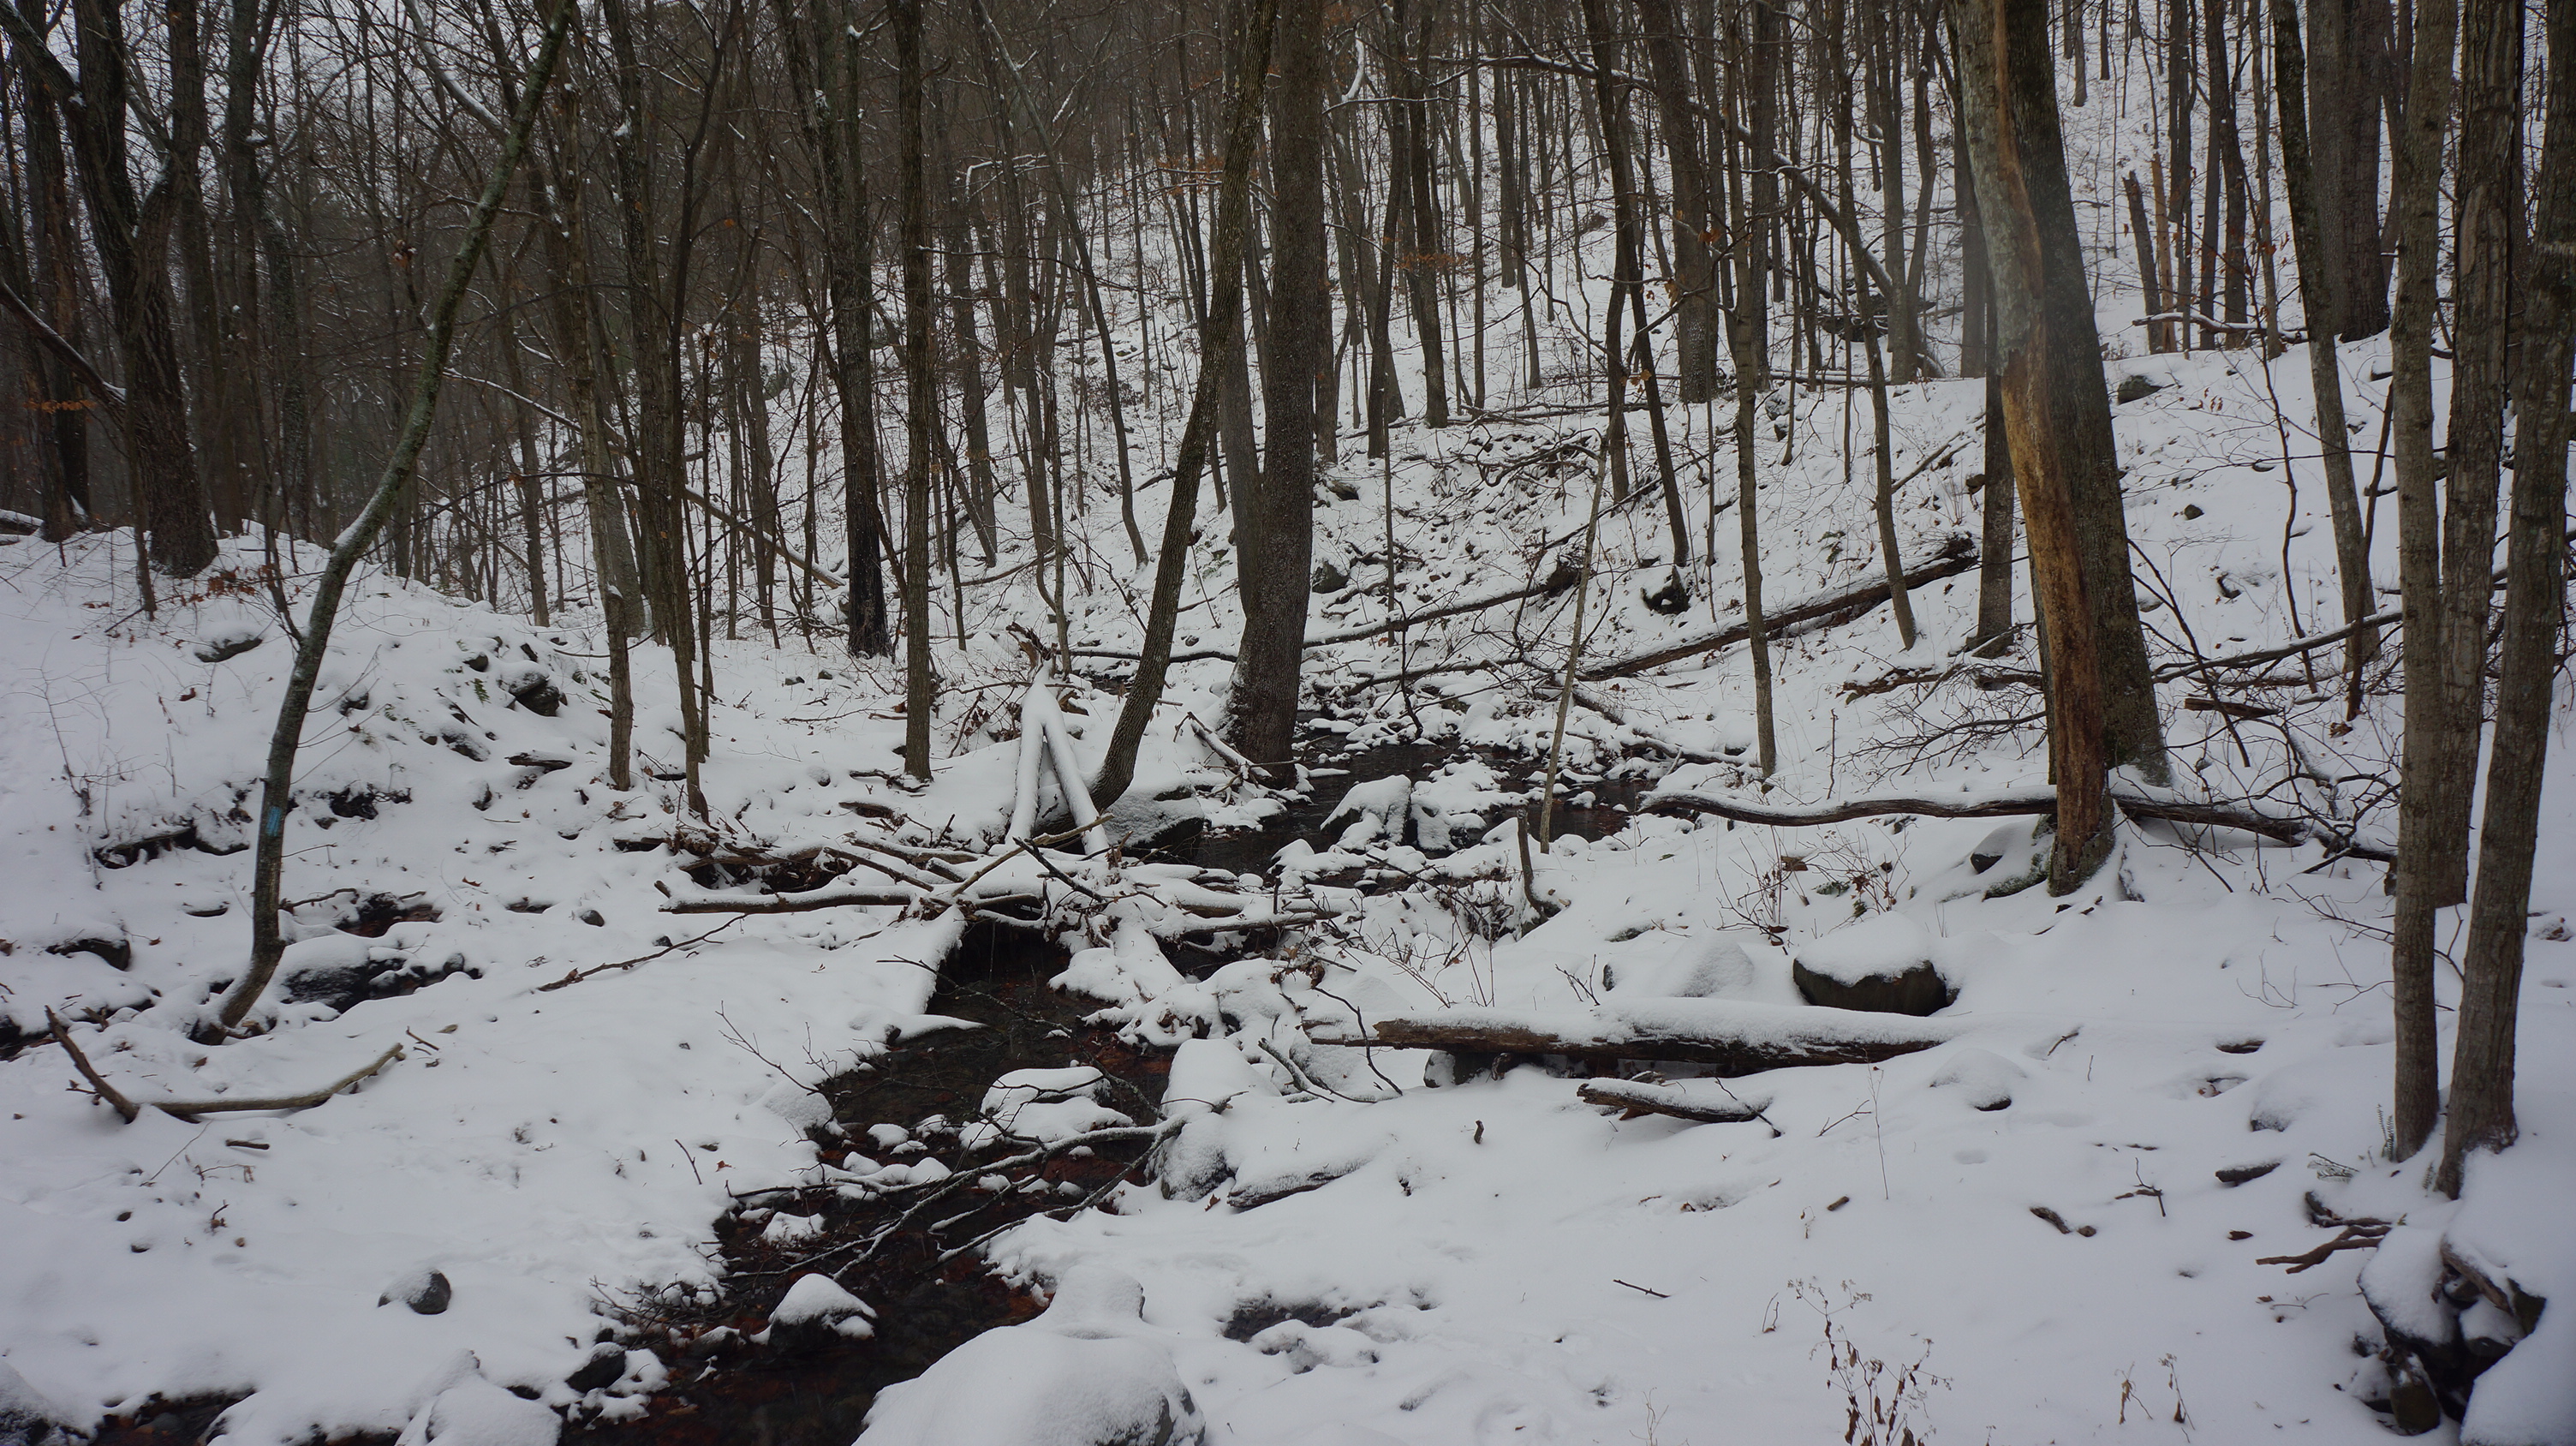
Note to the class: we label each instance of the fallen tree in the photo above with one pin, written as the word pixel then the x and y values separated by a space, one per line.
pixel 2136 801
pixel 1958 554
pixel 1730 1036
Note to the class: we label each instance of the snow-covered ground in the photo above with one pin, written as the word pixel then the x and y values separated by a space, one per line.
pixel 1489 1260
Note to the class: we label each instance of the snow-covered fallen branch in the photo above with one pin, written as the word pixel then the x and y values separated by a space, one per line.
pixel 1720 1106
pixel 1958 554
pixel 2135 801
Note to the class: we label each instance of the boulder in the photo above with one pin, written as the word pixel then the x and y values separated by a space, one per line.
pixel 1980 1078
pixel 607 1362
pixel 1880 965
pixel 426 1291
pixel 1684 968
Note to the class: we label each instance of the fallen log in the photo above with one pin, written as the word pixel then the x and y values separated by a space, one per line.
pixel 1721 1106
pixel 1958 554
pixel 2137 803
pixel 1732 1037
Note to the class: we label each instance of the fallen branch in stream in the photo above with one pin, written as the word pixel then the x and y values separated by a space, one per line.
pixel 962 1179
pixel 1730 1036
pixel 2137 803
pixel 1958 554
pixel 837 899
pixel 189 1110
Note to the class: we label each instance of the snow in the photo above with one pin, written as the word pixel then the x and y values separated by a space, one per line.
pixel 1333 1250
pixel 818 1299
pixel 1087 1372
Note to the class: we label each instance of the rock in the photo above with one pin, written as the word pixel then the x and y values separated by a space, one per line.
pixel 475 1412
pixel 1329 578
pixel 2413 1406
pixel 818 1312
pixel 1981 1078
pixel 2008 841
pixel 1881 965
pixel 1345 491
pixel 27 1417
pixel 427 1292
pixel 606 1364
pixel 1085 1373
pixel 536 692
pixel 593 918
pixel 2191 511
pixel 215 650
pixel 1687 969
pixel 118 953
pixel 2239 1174
pixel 2134 387
pixel 1381 807
pixel 1670 599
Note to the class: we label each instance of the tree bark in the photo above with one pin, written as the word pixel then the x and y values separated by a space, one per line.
pixel 2325 377
pixel 2482 1062
pixel 921 386
pixel 2431 847
pixel 1253 21
pixel 132 238
pixel 2009 107
pixel 1276 511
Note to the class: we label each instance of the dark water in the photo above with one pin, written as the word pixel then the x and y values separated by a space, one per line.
pixel 728 1391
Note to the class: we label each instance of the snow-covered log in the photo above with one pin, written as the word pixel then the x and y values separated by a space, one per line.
pixel 2137 801
pixel 1731 1036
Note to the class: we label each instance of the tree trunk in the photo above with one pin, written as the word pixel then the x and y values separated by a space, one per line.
pixel 921 386
pixel 1253 21
pixel 2482 1062
pixel 1276 511
pixel 268 944
pixel 2431 847
pixel 2009 108
pixel 1421 256
pixel 1695 333
pixel 2298 171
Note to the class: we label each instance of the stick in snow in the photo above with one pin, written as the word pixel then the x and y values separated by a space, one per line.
pixel 189 1110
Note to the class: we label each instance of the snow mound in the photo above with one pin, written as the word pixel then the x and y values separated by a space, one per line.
pixel 1082 1374
pixel 819 1300
pixel 1047 1105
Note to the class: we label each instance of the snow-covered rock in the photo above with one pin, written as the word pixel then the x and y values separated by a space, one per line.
pixel 1084 1373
